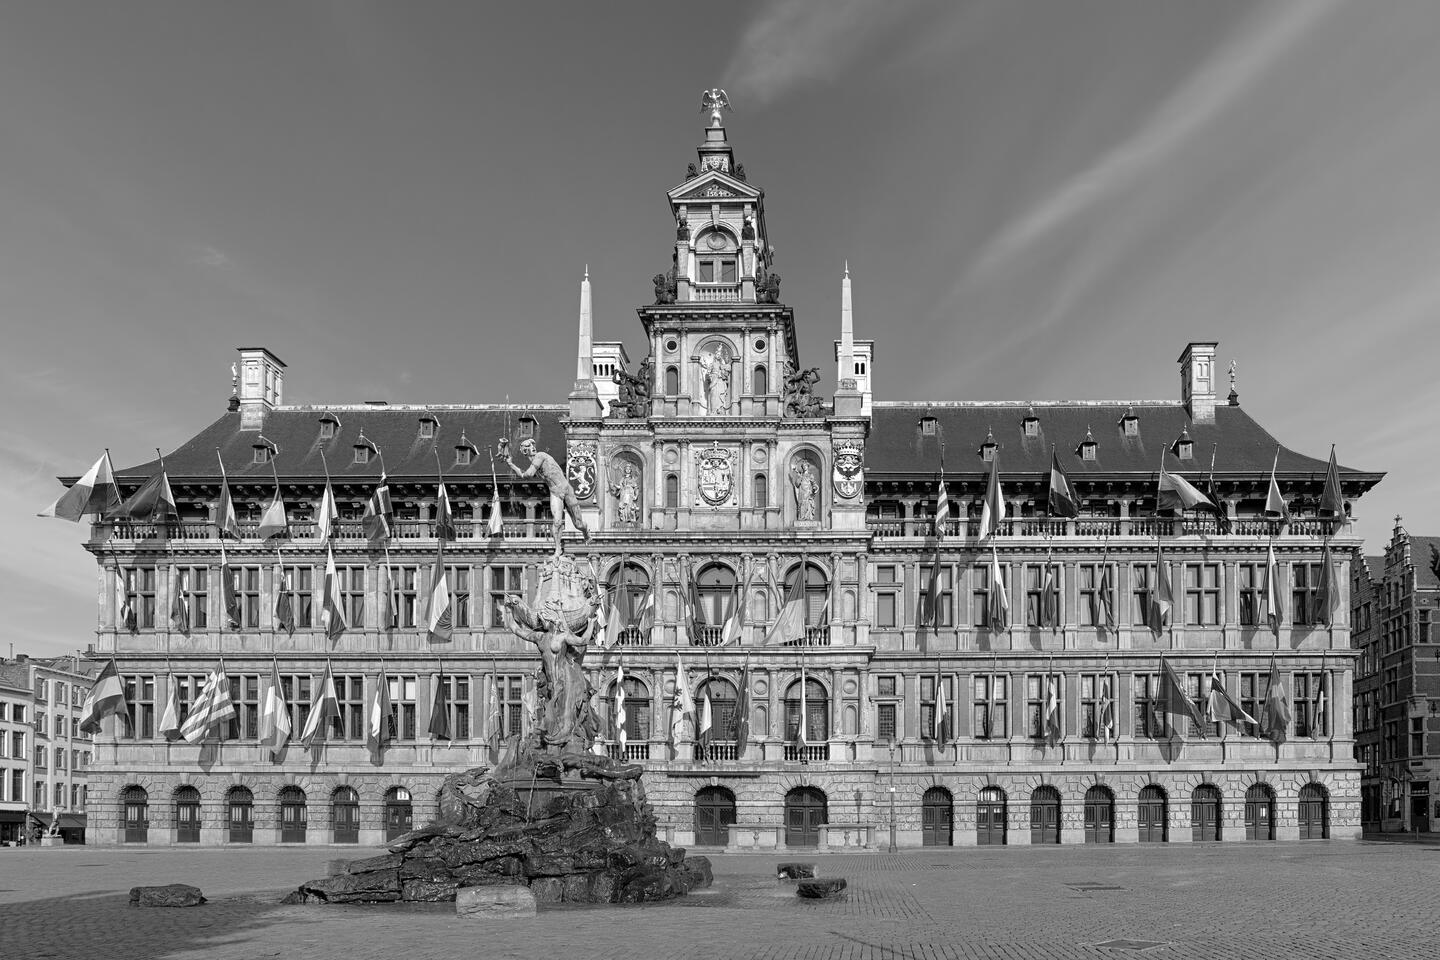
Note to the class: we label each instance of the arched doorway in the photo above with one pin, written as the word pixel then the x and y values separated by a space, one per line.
pixel 240 815
pixel 345 815
pixel 1152 815
pixel 1099 815
pixel 1205 813
pixel 804 813
pixel 720 744
pixel 399 813
pixel 1045 815
pixel 187 815
pixel 937 818
pixel 990 817
pixel 292 815
pixel 1259 813
pixel 815 744
pixel 135 803
pixel 1314 812
pixel 714 815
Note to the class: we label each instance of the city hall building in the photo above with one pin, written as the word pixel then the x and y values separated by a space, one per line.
pixel 908 707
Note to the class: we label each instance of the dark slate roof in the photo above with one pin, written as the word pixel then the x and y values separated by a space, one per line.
pixel 1420 548
pixel 897 446
pixel 1375 567
pixel 393 428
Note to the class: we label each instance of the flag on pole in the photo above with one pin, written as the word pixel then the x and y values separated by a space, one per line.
pixel 170 719
pixel 734 629
pixel 1220 705
pixel 646 621
pixel 942 507
pixel 437 609
pixel 1052 709
pixel 180 604
pixel 529 704
pixel 1222 519
pixel 328 516
pixel 1272 591
pixel 154 502
pixel 379 515
pixel 940 708
pixel 1106 719
pixel 95 493
pixel 440 709
pixel 789 623
pixel 1318 726
pixel 222 702
pixel 992 512
pixel 997 602
pixel 621 735
pixel 324 707
pixel 1275 716
pixel 1327 594
pixel 125 610
pixel 1062 501
pixel 991 697
pixel 274 715
pixel 197 721
pixel 385 594
pixel 1177 494
pixel 742 712
pixel 694 608
pixel 492 715
pixel 227 591
pixel 226 523
pixel 1105 599
pixel 802 733
pixel 377 714
pixel 1275 506
pixel 285 602
pixel 1173 700
pixel 932 592
pixel 274 522
pixel 1332 498
pixel 332 608
pixel 1050 599
pixel 106 699
pixel 683 704
pixel 1162 598
pixel 702 736
pixel 444 517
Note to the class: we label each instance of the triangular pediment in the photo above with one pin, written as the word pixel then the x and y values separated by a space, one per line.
pixel 711 186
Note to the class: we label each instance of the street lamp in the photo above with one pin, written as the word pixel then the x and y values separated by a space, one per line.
pixel 892 794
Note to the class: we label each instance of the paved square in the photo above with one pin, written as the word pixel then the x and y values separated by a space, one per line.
pixel 1251 900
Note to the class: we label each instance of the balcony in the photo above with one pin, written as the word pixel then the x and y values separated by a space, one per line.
pixel 716 292
pixel 818 752
pixel 631 751
pixel 301 530
pixel 885 528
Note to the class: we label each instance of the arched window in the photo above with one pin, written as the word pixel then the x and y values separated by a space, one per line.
pixel 672 380
pixel 399 814
pixel 187 815
pixel 760 491
pixel 990 817
pixel 672 491
pixel 637 719
pixel 1259 813
pixel 1099 815
pixel 716 585
pixel 816 613
pixel 345 815
pixel 628 586
pixel 135 803
pixel 292 815
pixel 815 744
pixel 760 383
pixel 720 745
pixel 1045 815
pixel 714 815
pixel 805 813
pixel 1314 812
pixel 1205 813
pixel 1152 814
pixel 937 818
pixel 240 815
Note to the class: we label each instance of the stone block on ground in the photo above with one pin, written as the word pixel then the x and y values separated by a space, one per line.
pixel 796 871
pixel 494 903
pixel 820 889
pixel 169 895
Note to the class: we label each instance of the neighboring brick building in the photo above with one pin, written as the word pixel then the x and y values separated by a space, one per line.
pixel 1396 611
pixel 728 466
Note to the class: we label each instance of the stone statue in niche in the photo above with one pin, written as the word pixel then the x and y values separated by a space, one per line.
pixel 807 490
pixel 626 491
pixel 715 366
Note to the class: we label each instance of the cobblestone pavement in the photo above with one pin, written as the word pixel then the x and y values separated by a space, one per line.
pixel 1243 900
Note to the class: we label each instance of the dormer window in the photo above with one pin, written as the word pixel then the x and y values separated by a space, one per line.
pixel 428 427
pixel 329 426
pixel 264 450
pixel 987 449
pixel 1088 448
pixel 1130 424
pixel 465 452
pixel 363 448
pixel 526 427
pixel 1030 426
pixel 1183 447
pixel 928 426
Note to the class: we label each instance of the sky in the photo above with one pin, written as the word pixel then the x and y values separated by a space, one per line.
pixel 1037 200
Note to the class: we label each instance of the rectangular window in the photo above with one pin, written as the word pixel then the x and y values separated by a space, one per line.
pixel 1305 586
pixel 17 744
pixel 402 707
pixel 139 724
pixel 60 688
pixel 885 686
pixel 885 727
pixel 1092 688
pixel 1254 687
pixel 41 758
pixel 17 784
pixel 59 758
pixel 1199 687
pixel 944 598
pixel 707 270
pixel 457 697
pixel 990 707
pixel 459 578
pixel 980 597
pixel 195 582
pixel 887 601
pixel 1144 584
pixel 296 689
pixel 247 592
pixel 504 580
pixel 140 591
pixel 352 595
pixel 76 802
pixel 299 583
pixel 1252 593
pixel 927 709
pixel 1310 719
pixel 245 694
pixel 512 708
pixel 1042 598
pixel 1092 601
pixel 349 723
pixel 1035 705
pixel 1149 717
pixel 1202 594
pixel 1417 736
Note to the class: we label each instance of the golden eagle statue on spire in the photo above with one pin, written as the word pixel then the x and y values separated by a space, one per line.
pixel 713 101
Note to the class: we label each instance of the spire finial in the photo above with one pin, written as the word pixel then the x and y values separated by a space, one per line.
pixel 587 271
pixel 847 266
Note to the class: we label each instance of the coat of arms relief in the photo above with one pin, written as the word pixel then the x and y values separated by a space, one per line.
pixel 715 474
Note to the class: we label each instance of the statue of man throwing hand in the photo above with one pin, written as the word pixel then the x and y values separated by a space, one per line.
pixel 561 494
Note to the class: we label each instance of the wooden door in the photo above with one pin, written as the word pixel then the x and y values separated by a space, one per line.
pixel 804 813
pixel 714 815
pixel 187 821
pixel 1045 817
pixel 1099 817
pixel 937 819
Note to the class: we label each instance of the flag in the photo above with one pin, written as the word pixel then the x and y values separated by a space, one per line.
pixel 1220 705
pixel 1318 726
pixel 1162 598
pixel 1272 591
pixel 1107 710
pixel 274 715
pixel 804 707
pixel 377 714
pixel 694 608
pixel 789 623
pixel 226 523
pixel 285 605
pixel 328 515
pixel 440 710
pixel 106 699
pixel 495 525
pixel 332 609
pixel 197 721
pixel 684 703
pixel 990 700
pixel 1105 598
pixel 615 618
pixel 385 595
pixel 222 703
pixel 932 592
pixel 742 712
pixel 1275 717
pixel 1052 710
pixel 1176 493
pixel 437 610
pixel 646 620
pixel 1049 599
pixel 942 507
pixel 734 629
pixel 444 518
pixel 93 493
pixel 180 604
pixel 528 705
pixel 702 737
pixel 997 603
pixel 324 707
pixel 492 715
pixel 620 716
pixel 170 719
pixel 1062 502
pixel 274 522
pixel 940 710
pixel 1275 506
pixel 125 610
pixel 992 512
pixel 1332 499
pixel 379 515
pixel 154 502
pixel 228 594
pixel 1173 700
pixel 1222 519
pixel 1327 595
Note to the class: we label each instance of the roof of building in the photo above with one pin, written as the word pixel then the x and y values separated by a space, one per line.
pixel 1375 567
pixel 1420 555
pixel 898 444
pixel 14 675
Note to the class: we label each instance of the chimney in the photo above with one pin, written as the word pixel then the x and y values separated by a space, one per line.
pixel 1197 380
pixel 261 381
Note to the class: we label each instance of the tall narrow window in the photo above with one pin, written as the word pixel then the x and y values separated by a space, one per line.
pixel 1149 718
pixel 943 615
pixel 140 696
pixel 1144 574
pixel 298 582
pixel 504 581
pixel 402 707
pixel 761 381
pixel 761 490
pixel 672 491
pixel 1252 591
pixel 991 706
pixel 672 381
pixel 1202 594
